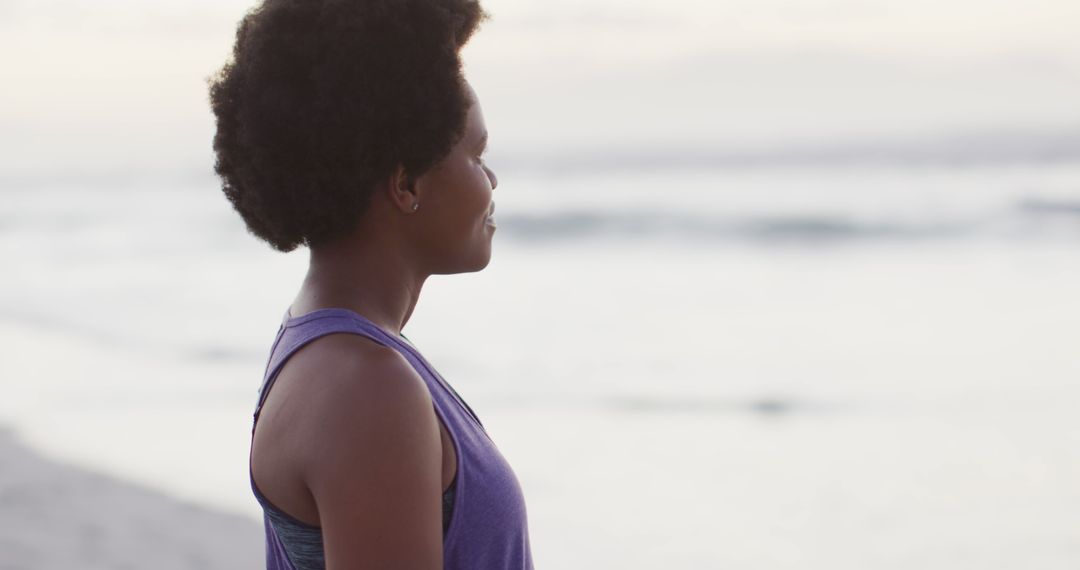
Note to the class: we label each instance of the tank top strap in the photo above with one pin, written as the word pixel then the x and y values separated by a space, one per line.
pixel 295 333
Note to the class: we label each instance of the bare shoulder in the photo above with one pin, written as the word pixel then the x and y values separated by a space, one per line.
pixel 355 364
pixel 373 456
pixel 352 385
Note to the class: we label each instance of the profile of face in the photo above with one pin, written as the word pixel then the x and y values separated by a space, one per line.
pixel 454 225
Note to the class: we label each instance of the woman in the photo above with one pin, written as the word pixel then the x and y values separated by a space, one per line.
pixel 346 126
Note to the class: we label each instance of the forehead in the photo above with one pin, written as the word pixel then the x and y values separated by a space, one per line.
pixel 475 127
pixel 470 93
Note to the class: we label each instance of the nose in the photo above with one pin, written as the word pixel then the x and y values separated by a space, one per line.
pixel 491 176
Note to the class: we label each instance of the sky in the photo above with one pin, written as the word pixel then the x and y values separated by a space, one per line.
pixel 118 86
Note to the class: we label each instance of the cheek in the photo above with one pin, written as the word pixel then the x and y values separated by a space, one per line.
pixel 476 191
pixel 464 196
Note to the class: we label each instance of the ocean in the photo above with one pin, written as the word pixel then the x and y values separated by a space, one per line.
pixel 806 364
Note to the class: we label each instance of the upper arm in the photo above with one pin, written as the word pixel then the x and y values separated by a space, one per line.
pixel 374 463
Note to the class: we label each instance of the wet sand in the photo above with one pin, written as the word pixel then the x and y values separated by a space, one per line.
pixel 54 516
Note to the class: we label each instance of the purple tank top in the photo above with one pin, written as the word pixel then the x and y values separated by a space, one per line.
pixel 488 528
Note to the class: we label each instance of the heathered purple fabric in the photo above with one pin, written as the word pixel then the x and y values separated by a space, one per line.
pixel 276 556
pixel 489 527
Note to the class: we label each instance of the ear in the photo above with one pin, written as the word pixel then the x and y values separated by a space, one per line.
pixel 402 190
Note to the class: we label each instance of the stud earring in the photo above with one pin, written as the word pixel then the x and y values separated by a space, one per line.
pixel 415 206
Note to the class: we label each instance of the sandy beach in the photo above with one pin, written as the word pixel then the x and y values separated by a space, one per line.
pixel 54 516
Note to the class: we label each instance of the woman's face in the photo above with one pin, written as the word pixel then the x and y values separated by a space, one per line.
pixel 455 203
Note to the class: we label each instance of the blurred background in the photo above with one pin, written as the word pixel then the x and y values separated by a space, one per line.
pixel 776 285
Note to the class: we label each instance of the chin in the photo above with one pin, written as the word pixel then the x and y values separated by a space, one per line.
pixel 471 264
pixel 481 262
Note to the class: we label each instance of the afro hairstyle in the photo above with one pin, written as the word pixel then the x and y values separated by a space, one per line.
pixel 324 99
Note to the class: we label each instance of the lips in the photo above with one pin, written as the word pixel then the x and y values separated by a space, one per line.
pixel 490 220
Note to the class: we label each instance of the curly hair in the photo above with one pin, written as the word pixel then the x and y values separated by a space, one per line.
pixel 323 99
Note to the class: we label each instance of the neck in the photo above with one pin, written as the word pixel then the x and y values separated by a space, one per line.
pixel 365 276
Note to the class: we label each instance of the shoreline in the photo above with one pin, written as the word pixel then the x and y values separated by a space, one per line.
pixel 58 516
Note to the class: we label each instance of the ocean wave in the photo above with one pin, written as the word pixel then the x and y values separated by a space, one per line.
pixel 1049 206
pixel 765 229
